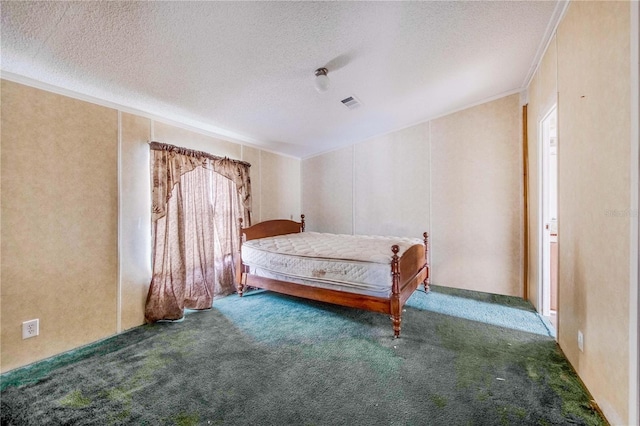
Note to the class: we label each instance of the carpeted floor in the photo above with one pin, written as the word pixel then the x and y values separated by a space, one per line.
pixel 267 359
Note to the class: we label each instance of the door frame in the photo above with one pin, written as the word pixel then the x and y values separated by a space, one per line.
pixel 544 248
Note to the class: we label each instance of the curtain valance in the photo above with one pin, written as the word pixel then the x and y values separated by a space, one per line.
pixel 170 162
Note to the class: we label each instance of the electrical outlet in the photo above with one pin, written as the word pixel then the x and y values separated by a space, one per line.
pixel 580 341
pixel 30 328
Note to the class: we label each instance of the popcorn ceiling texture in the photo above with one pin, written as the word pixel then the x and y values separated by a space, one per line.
pixel 244 70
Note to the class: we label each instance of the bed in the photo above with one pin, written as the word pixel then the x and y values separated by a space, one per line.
pixel 373 273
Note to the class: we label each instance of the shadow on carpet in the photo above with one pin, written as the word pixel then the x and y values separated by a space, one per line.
pixel 268 359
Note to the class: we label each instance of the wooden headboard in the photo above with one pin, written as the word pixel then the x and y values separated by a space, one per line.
pixel 270 228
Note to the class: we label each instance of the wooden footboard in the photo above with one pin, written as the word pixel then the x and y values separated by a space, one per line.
pixel 408 272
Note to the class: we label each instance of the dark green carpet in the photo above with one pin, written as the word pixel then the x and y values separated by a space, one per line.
pixel 267 359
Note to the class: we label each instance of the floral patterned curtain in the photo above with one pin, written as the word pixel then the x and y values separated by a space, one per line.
pixel 196 200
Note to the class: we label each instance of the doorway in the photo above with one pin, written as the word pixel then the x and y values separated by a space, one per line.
pixel 549 217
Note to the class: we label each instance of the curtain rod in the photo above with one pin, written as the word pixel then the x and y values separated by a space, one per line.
pixel 159 146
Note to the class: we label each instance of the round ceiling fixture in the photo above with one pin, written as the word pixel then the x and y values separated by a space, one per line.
pixel 322 81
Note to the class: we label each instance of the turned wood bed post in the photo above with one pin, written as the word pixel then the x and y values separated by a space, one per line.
pixel 396 314
pixel 426 261
pixel 239 264
pixel 302 224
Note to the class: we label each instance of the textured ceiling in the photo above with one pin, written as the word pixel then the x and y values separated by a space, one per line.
pixel 244 70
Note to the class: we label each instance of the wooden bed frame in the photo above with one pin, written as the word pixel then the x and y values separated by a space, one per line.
pixel 408 271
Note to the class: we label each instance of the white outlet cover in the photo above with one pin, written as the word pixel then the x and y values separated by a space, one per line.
pixel 580 341
pixel 30 328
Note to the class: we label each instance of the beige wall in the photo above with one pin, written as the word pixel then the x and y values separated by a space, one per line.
pixel 173 135
pixel 327 192
pixel 594 149
pixel 252 156
pixel 458 177
pixel 477 204
pixel 391 185
pixel 76 216
pixel 59 222
pixel 590 56
pixel 379 186
pixel 280 187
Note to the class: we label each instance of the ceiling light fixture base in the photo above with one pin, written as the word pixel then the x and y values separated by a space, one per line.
pixel 322 80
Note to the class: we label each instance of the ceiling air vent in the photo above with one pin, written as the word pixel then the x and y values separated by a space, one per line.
pixel 351 102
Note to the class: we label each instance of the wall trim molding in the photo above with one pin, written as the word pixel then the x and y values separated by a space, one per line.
pixel 558 13
pixel 119 231
pixel 634 255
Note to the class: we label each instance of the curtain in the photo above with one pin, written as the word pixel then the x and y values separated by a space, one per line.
pixel 197 199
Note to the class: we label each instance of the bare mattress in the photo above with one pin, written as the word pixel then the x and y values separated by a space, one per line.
pixel 354 263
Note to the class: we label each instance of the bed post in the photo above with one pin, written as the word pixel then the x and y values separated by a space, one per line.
pixel 302 224
pixel 396 313
pixel 426 261
pixel 239 264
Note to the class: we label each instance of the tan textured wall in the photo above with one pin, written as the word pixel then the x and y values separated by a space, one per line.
pixel 458 177
pixel 135 218
pixel 61 216
pixel 476 198
pixel 178 136
pixel 543 95
pixel 594 198
pixel 59 222
pixel 252 156
pixel 327 192
pixel 376 187
pixel 392 184
pixel 280 182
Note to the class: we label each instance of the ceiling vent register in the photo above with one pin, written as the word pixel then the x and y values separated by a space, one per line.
pixel 351 102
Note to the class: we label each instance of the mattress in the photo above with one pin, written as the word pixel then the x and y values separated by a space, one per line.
pixel 354 263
